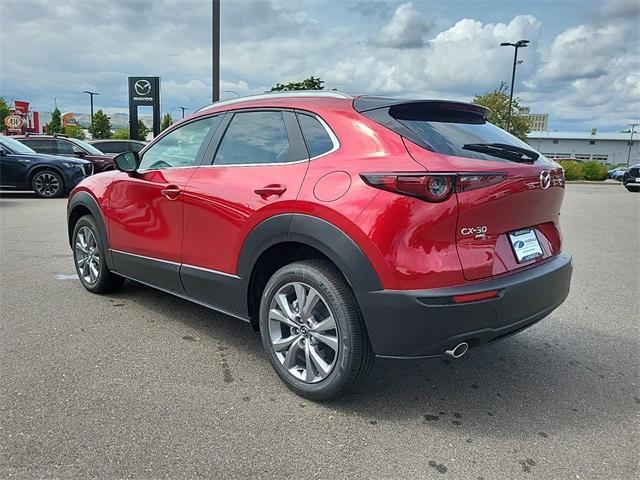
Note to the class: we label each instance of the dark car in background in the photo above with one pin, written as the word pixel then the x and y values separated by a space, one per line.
pixel 68 147
pixel 48 176
pixel 631 179
pixel 114 147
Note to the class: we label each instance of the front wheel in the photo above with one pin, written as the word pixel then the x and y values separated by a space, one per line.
pixel 89 250
pixel 47 184
pixel 312 329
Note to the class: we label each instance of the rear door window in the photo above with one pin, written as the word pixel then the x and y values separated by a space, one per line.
pixel 255 138
pixel 41 146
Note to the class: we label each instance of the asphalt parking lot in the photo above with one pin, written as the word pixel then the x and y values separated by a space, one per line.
pixel 140 384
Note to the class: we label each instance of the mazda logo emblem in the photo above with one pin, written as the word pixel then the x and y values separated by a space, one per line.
pixel 545 180
pixel 142 87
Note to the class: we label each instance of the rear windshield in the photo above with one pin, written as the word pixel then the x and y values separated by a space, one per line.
pixel 447 128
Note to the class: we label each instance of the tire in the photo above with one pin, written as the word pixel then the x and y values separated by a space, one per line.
pixel 333 332
pixel 89 258
pixel 47 184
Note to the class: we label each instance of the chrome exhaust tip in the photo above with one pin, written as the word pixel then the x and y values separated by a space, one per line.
pixel 457 351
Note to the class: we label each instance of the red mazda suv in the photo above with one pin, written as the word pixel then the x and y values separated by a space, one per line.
pixel 340 227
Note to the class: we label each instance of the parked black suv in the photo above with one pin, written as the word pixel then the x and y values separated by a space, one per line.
pixel 631 179
pixel 71 147
pixel 47 175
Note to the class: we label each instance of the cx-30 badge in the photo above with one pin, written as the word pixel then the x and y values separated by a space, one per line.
pixel 479 232
pixel 545 180
pixel 142 87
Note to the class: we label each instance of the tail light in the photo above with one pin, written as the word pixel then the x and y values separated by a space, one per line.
pixel 432 187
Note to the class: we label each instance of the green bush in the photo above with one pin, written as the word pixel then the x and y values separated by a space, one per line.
pixel 594 171
pixel 572 170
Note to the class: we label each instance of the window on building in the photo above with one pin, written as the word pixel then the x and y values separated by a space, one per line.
pixel 583 156
pixel 600 158
pixel 629 143
pixel 592 142
pixel 555 142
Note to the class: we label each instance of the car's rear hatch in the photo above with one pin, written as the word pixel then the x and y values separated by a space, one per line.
pixel 509 208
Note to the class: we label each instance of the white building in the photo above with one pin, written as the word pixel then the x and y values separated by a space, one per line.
pixel 537 121
pixel 603 147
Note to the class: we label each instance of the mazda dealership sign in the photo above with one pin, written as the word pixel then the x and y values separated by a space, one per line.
pixel 144 91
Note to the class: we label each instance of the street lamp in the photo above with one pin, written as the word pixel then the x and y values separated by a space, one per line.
pixel 215 50
pixel 183 109
pixel 91 94
pixel 517 45
pixel 633 126
pixel 232 91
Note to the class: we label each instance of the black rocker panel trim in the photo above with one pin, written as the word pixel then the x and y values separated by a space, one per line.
pixel 84 199
pixel 161 273
pixel 219 290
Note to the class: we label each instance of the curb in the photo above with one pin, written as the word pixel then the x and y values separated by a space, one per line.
pixel 593 182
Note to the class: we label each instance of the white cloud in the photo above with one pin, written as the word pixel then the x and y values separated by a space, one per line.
pixel 406 29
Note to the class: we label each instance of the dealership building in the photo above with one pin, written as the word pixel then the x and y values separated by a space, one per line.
pixel 611 148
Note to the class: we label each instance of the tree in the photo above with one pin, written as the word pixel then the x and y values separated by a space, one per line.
pixel 55 125
pixel 311 83
pixel 74 131
pixel 101 125
pixel 166 121
pixel 121 134
pixel 498 102
pixel 5 111
pixel 142 130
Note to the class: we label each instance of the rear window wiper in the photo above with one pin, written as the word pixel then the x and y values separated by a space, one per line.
pixel 503 150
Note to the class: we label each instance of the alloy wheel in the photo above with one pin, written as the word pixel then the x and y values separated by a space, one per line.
pixel 87 255
pixel 303 332
pixel 47 184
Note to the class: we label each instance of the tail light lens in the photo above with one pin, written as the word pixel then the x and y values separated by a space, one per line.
pixel 431 187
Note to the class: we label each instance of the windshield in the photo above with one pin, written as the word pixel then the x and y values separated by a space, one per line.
pixel 447 131
pixel 88 147
pixel 15 146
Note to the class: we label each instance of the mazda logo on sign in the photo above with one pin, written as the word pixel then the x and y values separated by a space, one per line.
pixel 142 87
pixel 545 180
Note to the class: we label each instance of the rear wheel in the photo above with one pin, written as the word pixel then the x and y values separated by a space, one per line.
pixel 89 257
pixel 47 184
pixel 312 329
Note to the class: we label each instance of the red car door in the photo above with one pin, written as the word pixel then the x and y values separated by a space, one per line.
pixel 145 213
pixel 258 168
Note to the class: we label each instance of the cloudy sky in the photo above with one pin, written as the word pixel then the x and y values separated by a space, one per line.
pixel 582 66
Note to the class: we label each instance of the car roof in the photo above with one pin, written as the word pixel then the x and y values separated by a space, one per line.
pixel 107 140
pixel 278 97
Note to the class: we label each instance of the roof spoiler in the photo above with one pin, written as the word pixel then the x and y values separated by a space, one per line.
pixel 366 104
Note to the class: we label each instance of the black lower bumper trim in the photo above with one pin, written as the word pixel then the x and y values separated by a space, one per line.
pixel 413 324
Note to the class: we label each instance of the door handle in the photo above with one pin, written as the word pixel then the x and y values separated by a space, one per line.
pixel 171 192
pixel 270 190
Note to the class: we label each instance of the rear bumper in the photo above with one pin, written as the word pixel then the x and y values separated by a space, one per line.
pixel 425 323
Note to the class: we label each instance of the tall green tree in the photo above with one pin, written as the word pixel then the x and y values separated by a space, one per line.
pixel 101 125
pixel 5 111
pixel 311 83
pixel 166 121
pixel 498 102
pixel 142 130
pixel 55 125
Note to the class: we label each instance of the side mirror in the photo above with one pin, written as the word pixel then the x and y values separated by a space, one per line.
pixel 127 161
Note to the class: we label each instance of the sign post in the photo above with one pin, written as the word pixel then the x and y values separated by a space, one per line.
pixel 143 91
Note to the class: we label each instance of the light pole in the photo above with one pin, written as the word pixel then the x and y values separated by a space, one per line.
pixel 91 94
pixel 517 45
pixel 215 50
pixel 232 91
pixel 633 126
pixel 183 109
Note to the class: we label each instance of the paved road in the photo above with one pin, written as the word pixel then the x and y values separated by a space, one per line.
pixel 143 385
